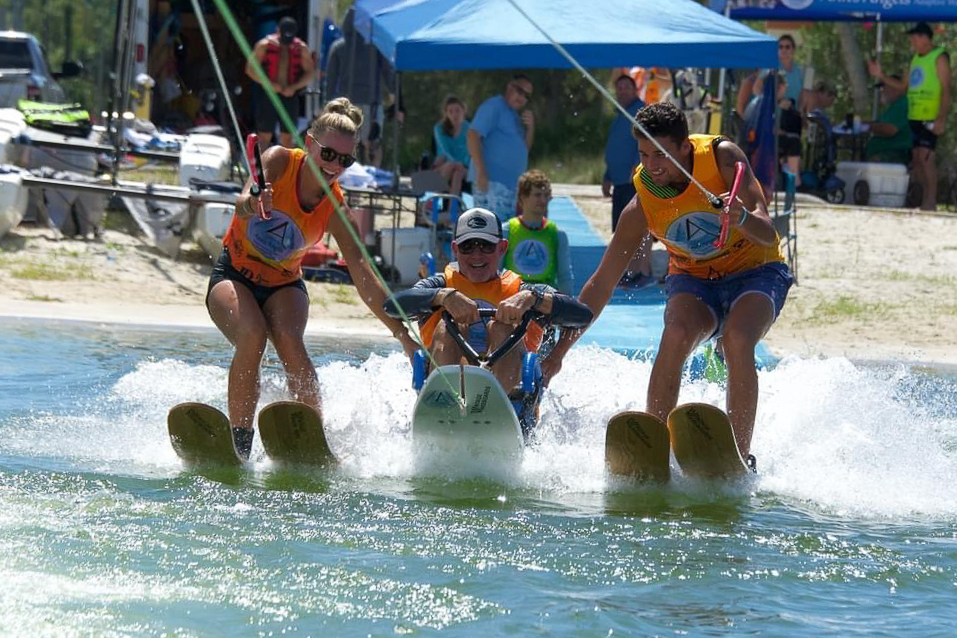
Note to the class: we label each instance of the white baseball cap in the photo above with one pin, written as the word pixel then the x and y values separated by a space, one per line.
pixel 478 223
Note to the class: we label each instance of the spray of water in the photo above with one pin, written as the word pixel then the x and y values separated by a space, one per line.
pixel 830 435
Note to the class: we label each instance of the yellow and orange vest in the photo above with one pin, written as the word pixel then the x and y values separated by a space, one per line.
pixel 687 224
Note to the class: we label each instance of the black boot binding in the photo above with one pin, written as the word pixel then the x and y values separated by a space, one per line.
pixel 243 440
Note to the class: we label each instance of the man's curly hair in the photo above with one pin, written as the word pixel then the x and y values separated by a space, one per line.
pixel 662 120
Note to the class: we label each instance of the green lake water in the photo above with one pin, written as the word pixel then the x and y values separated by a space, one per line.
pixel 850 528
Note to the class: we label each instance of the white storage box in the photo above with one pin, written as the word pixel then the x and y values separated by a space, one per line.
pixel 13 198
pixel 12 125
pixel 874 184
pixel 212 222
pixel 410 244
pixel 204 157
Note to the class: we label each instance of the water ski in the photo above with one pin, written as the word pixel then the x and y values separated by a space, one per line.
pixel 292 432
pixel 201 435
pixel 703 442
pixel 637 446
pixel 485 427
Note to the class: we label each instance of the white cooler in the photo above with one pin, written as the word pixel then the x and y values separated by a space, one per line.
pixel 204 157
pixel 212 223
pixel 410 244
pixel 874 184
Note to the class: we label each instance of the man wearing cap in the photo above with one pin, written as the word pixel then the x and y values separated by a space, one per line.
pixel 288 64
pixel 928 103
pixel 474 281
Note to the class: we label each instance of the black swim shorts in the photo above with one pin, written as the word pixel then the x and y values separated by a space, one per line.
pixel 923 136
pixel 223 271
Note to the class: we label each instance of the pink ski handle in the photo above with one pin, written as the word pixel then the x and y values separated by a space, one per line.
pixel 726 214
pixel 256 169
pixel 252 141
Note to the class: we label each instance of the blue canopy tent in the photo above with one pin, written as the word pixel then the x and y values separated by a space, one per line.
pixel 421 35
pixel 432 35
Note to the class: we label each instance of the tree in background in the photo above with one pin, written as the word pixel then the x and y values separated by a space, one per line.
pixel 71 30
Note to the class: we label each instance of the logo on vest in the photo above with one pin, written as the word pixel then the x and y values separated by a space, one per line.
pixel 694 234
pixel 916 77
pixel 531 257
pixel 277 238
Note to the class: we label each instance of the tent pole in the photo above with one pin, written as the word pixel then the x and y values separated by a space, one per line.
pixel 880 45
pixel 395 133
pixel 116 99
pixel 722 78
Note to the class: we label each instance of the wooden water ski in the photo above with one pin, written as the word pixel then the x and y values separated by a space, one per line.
pixel 201 435
pixel 292 432
pixel 703 442
pixel 637 446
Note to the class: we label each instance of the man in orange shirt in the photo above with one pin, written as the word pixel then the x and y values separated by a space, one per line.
pixel 733 292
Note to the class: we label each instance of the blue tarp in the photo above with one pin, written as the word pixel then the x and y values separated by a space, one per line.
pixel 420 35
pixel 840 10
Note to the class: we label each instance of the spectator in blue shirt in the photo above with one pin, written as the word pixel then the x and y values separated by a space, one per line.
pixel 621 150
pixel 451 144
pixel 621 159
pixel 499 138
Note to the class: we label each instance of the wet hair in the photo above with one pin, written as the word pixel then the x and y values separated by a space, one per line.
pixel 625 76
pixel 339 116
pixel 662 119
pixel 788 38
pixel 447 126
pixel 530 180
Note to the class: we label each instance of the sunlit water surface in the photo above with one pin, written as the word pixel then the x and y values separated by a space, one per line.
pixel 848 530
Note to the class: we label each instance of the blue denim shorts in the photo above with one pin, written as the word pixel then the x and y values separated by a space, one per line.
pixel 499 198
pixel 771 280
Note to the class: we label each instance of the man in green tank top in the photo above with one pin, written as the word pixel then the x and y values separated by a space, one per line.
pixel 928 102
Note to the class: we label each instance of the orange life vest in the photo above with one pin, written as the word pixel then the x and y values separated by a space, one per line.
pixel 269 252
pixel 273 54
pixel 688 225
pixel 492 292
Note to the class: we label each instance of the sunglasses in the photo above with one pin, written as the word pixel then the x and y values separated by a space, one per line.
pixel 526 94
pixel 469 247
pixel 328 154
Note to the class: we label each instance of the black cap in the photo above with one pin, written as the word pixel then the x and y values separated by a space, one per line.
pixel 921 28
pixel 288 27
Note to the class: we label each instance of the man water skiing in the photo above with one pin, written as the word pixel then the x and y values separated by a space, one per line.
pixel 733 292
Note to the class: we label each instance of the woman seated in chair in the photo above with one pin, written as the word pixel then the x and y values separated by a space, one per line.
pixel 451 151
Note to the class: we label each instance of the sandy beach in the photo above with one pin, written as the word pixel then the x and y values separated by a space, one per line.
pixel 873 284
